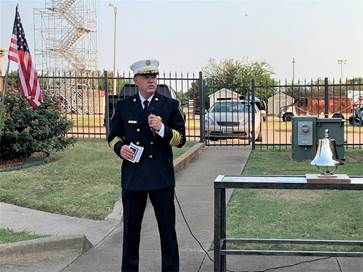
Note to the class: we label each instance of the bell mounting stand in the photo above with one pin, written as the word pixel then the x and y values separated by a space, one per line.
pixel 328 178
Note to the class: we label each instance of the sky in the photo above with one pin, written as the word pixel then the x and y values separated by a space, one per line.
pixel 184 35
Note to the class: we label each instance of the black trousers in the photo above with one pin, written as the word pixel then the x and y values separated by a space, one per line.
pixel 134 203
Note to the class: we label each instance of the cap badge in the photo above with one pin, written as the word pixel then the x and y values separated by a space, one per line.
pixel 147 62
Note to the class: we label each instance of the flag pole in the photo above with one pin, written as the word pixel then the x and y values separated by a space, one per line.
pixel 6 80
pixel 2 102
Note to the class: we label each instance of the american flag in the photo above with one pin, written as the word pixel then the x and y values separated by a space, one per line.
pixel 19 52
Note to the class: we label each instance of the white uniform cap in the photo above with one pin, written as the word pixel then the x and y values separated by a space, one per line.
pixel 145 67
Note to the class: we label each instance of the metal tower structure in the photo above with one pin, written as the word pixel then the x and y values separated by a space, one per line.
pixel 65 35
pixel 66 44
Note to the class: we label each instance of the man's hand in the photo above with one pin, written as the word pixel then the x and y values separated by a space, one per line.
pixel 126 152
pixel 155 122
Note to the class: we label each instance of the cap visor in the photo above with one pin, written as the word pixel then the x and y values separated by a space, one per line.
pixel 148 73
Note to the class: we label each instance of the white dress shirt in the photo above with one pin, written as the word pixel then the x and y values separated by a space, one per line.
pixel 142 99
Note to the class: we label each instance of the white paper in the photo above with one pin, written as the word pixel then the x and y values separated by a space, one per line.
pixel 137 152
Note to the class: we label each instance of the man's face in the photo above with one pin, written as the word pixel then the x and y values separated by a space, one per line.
pixel 146 84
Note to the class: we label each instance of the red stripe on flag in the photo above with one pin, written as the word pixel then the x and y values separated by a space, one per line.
pixel 23 75
pixel 13 52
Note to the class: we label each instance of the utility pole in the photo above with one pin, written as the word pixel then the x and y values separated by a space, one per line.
pixel 114 45
pixel 293 69
pixel 341 62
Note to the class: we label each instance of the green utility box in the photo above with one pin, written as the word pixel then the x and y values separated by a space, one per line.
pixel 336 132
pixel 303 138
pixel 306 132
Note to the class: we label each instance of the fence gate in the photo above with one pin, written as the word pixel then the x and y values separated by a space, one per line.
pixel 230 115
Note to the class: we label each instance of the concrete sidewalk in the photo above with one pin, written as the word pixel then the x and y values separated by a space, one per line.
pixel 19 219
pixel 195 193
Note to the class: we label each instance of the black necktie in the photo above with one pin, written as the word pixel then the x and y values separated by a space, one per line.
pixel 146 104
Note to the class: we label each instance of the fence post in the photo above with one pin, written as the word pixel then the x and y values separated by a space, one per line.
pixel 201 108
pixel 107 117
pixel 326 98
pixel 253 93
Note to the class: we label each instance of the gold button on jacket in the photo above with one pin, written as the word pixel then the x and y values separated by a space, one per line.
pixel 154 171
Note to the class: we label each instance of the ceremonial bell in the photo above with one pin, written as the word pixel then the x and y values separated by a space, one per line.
pixel 324 155
pixel 325 161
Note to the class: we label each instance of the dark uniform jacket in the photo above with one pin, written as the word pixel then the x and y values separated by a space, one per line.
pixel 155 169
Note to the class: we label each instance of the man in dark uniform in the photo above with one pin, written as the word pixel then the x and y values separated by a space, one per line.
pixel 154 122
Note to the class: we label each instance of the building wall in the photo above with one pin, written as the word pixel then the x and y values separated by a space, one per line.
pixel 275 102
pixel 223 94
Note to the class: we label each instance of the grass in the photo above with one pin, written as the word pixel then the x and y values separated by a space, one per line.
pixel 86 120
pixel 299 214
pixel 82 181
pixel 9 236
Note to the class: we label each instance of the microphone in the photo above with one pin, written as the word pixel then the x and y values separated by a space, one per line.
pixel 150 110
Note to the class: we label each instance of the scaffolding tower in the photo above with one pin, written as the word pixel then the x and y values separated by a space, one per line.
pixel 66 43
pixel 65 35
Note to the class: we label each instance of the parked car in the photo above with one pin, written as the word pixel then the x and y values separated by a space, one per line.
pixel 356 117
pixel 261 105
pixel 129 89
pixel 287 112
pixel 233 119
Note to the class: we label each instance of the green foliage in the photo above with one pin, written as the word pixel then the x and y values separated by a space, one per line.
pixel 193 92
pixel 27 130
pixel 237 76
pixel 12 80
pixel 2 116
pixel 235 72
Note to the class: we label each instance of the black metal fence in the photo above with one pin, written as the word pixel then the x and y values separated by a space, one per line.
pixel 88 100
pixel 323 98
pixel 179 87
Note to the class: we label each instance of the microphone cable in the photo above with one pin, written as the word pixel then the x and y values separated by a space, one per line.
pixel 265 270
pixel 190 230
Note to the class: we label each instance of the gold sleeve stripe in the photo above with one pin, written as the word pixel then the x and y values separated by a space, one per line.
pixel 115 141
pixel 175 140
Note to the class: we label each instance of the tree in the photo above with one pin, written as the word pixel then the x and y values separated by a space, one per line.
pixel 227 72
pixel 193 92
pixel 236 75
